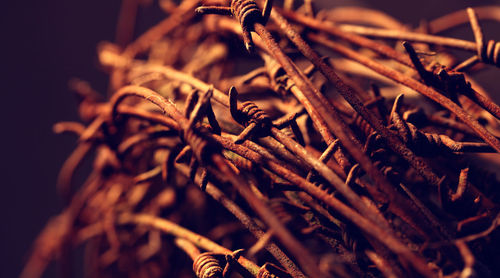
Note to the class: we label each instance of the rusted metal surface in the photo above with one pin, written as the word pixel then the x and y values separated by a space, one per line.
pixel 194 158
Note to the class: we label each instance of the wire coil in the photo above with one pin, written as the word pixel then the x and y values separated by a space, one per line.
pixel 489 53
pixel 207 265
pixel 246 11
pixel 253 114
pixel 199 141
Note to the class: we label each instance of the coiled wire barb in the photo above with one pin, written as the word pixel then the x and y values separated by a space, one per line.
pixel 207 265
pixel 249 115
pixel 248 14
pixel 486 52
pixel 199 141
pixel 490 53
pixel 254 114
pixel 424 143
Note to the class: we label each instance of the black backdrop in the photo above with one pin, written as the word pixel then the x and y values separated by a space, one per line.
pixel 44 44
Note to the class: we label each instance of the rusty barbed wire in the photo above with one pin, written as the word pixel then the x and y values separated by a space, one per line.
pixel 316 187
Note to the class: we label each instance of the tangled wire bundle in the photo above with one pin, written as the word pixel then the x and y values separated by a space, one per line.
pixel 322 170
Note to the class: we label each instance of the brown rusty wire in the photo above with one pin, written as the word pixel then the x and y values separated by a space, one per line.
pixel 325 189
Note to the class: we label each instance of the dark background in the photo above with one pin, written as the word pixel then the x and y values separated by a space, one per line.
pixel 44 44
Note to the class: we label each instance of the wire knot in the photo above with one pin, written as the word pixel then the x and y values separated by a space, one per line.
pixel 209 264
pixel 198 140
pixel 486 52
pixel 249 115
pixel 490 53
pixel 248 14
